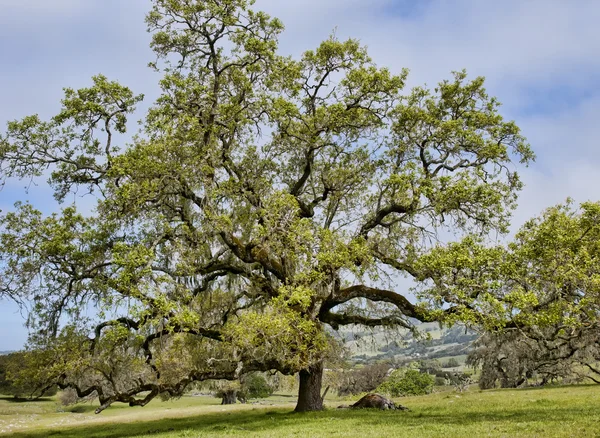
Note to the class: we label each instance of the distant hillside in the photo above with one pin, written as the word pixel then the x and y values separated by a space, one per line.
pixel 2 353
pixel 432 342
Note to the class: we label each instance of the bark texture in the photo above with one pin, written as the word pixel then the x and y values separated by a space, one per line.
pixel 229 397
pixel 309 393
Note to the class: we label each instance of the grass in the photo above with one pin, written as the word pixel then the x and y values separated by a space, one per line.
pixel 568 411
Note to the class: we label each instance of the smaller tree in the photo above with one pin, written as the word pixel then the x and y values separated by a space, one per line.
pixel 249 386
pixel 255 385
pixel 34 386
pixel 460 381
pixel 513 358
pixel 450 363
pixel 540 295
pixel 365 379
pixel 429 366
pixel 228 391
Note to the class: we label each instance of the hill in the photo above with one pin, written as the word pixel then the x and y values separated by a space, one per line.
pixel 432 342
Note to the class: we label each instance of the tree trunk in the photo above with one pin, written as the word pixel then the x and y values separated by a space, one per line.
pixel 309 393
pixel 229 397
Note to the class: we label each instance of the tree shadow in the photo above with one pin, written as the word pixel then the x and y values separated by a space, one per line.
pixel 249 421
pixel 11 399
pixel 81 409
pixel 549 386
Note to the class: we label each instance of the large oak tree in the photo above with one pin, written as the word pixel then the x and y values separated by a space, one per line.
pixel 264 199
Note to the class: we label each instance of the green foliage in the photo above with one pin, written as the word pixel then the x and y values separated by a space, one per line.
pixel 405 382
pixel 451 363
pixel 548 276
pixel 11 365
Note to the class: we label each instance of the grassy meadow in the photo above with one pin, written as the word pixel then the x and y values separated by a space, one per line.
pixel 563 411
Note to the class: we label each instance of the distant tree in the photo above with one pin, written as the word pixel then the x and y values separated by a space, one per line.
pixel 450 363
pixel 460 381
pixel 518 357
pixel 429 366
pixel 364 379
pixel 264 199
pixel 255 385
pixel 230 393
pixel 250 386
pixel 35 386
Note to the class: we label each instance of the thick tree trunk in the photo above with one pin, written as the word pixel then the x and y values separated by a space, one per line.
pixel 309 393
pixel 229 397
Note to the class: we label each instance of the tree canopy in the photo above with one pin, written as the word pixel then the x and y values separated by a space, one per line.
pixel 264 199
pixel 547 276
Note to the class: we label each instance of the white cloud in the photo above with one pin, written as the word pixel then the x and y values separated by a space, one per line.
pixel 571 135
pixel 568 150
pixel 512 42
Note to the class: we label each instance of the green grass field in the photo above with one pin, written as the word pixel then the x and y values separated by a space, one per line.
pixel 568 411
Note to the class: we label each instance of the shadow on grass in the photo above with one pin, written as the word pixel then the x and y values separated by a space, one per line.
pixel 281 421
pixel 549 386
pixel 82 409
pixel 290 396
pixel 12 399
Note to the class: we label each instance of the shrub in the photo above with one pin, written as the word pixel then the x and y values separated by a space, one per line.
pixel 440 381
pixel 407 382
pixel 255 385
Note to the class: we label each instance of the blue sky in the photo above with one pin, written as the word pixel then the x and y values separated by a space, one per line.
pixel 540 59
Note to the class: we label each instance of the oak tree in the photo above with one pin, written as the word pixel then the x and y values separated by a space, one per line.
pixel 547 279
pixel 265 199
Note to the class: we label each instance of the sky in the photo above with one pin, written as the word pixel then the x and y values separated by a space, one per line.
pixel 539 57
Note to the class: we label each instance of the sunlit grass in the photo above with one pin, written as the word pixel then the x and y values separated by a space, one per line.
pixel 549 412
